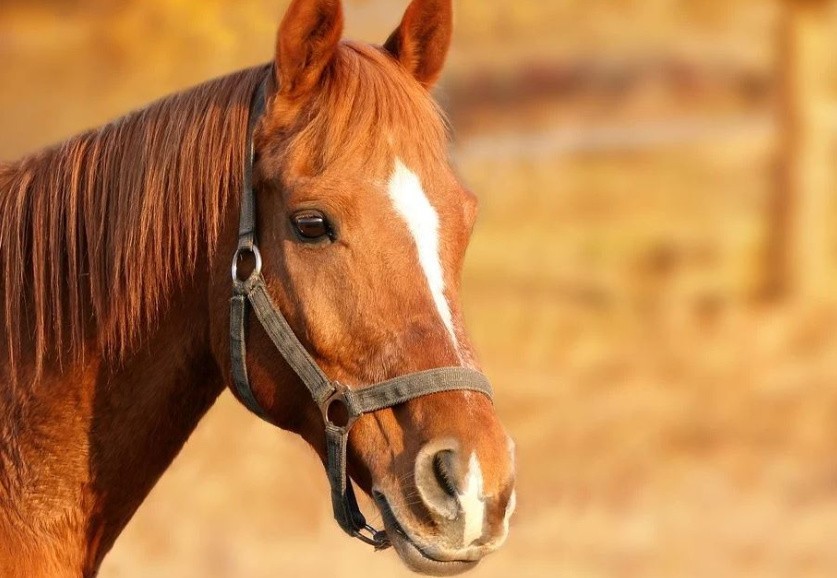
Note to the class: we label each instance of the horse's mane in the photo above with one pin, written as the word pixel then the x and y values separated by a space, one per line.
pixel 98 230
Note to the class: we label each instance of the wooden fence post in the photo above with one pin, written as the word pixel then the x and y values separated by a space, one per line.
pixel 799 258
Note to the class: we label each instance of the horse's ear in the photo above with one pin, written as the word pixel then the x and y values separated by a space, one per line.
pixel 308 38
pixel 422 41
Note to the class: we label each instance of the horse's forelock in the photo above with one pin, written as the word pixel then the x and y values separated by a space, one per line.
pixel 368 109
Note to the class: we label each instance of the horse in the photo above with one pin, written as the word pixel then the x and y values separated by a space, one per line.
pixel 115 300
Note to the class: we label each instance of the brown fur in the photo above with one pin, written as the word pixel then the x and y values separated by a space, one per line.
pixel 115 254
pixel 103 238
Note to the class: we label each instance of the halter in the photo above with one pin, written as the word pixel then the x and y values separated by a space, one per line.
pixel 328 395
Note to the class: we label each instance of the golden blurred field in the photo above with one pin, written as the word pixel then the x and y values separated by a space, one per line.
pixel 669 421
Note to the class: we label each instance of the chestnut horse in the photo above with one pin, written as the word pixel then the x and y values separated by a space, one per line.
pixel 115 249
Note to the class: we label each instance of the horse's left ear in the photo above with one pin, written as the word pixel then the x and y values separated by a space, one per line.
pixel 422 41
pixel 308 38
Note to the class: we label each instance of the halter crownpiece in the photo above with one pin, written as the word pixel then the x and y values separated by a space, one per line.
pixel 252 294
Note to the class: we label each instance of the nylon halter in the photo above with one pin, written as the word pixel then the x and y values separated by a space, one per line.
pixel 252 294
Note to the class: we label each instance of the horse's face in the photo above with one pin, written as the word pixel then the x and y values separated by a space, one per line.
pixel 363 227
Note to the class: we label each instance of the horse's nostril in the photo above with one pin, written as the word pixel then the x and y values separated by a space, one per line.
pixel 438 479
pixel 444 467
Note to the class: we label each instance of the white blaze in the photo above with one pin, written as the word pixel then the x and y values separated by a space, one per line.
pixel 472 502
pixel 414 207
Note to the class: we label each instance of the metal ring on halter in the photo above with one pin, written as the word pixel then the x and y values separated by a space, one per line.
pixel 377 538
pixel 339 396
pixel 237 257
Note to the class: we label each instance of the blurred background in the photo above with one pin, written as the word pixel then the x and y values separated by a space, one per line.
pixel 651 284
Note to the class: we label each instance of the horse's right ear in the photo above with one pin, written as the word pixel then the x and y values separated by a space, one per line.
pixel 422 41
pixel 308 38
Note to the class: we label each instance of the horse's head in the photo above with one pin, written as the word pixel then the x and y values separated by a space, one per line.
pixel 363 228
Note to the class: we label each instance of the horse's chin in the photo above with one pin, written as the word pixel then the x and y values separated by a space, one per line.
pixel 417 561
pixel 411 554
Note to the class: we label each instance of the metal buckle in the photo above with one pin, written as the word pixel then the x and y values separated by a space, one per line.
pixel 237 257
pixel 339 396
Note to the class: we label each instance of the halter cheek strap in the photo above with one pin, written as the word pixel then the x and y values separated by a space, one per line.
pixel 252 295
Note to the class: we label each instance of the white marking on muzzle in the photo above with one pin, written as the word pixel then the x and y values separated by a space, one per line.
pixel 412 204
pixel 472 502
pixel 510 508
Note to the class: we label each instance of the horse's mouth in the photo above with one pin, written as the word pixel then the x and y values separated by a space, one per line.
pixel 415 556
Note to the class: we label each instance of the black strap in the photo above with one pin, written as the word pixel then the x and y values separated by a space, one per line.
pixel 253 294
pixel 247 219
pixel 238 350
pixel 286 342
pixel 402 389
pixel 246 244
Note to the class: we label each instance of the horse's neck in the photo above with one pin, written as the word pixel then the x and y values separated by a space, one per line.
pixel 81 450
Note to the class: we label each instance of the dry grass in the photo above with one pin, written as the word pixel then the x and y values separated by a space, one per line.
pixel 667 423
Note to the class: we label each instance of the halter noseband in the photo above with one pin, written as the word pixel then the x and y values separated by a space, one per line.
pixel 252 293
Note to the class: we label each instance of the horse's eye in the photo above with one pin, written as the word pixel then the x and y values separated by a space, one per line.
pixel 311 225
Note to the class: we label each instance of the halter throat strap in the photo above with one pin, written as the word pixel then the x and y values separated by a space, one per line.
pixel 252 295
